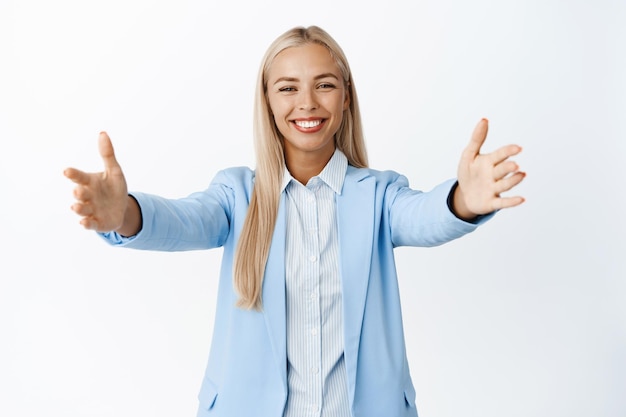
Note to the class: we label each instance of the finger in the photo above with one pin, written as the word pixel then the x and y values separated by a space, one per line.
pixel 508 183
pixel 82 209
pixel 106 152
pixel 82 193
pixel 507 202
pixel 503 169
pixel 478 138
pixel 78 176
pixel 89 223
pixel 503 153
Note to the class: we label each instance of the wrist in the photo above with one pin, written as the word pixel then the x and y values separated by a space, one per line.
pixel 456 204
pixel 132 223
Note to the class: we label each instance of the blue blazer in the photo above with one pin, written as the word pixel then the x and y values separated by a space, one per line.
pixel 246 374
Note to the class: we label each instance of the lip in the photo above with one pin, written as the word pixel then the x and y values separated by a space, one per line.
pixel 309 129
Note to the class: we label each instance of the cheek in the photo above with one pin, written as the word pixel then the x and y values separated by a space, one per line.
pixel 279 122
pixel 276 111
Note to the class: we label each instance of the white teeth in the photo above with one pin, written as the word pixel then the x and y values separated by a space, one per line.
pixel 307 124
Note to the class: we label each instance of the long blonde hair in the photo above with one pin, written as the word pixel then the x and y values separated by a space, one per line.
pixel 256 236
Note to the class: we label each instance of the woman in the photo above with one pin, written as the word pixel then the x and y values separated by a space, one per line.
pixel 308 318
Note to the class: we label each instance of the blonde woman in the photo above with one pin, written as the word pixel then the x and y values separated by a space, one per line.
pixel 308 318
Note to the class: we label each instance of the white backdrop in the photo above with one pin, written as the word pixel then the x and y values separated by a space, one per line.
pixel 525 317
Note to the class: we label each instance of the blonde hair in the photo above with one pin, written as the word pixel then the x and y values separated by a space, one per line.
pixel 256 236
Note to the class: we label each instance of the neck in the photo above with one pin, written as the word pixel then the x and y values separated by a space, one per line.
pixel 305 165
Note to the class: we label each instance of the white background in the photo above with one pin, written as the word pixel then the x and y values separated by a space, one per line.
pixel 525 317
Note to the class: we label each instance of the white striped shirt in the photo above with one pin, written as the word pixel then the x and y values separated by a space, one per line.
pixel 316 371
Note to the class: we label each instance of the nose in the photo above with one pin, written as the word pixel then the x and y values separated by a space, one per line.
pixel 308 100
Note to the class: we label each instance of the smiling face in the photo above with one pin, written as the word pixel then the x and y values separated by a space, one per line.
pixel 307 97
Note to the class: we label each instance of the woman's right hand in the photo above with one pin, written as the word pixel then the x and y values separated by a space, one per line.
pixel 102 198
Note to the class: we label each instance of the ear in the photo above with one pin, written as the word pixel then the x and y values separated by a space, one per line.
pixel 346 101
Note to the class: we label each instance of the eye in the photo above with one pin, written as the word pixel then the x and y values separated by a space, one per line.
pixel 326 86
pixel 287 89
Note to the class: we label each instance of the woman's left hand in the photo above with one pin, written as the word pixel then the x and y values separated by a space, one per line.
pixel 484 177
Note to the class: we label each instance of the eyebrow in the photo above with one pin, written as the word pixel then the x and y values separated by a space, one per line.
pixel 317 77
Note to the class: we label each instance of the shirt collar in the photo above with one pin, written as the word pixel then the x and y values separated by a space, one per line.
pixel 333 173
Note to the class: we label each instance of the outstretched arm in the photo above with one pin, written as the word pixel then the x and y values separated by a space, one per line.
pixel 483 177
pixel 102 198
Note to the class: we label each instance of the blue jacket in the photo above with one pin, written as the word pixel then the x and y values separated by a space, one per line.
pixel 246 373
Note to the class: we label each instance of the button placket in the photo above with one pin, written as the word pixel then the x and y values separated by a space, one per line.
pixel 313 313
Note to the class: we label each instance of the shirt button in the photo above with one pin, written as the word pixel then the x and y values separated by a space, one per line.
pixel 313 258
pixel 315 370
pixel 314 332
pixel 313 296
pixel 315 408
pixel 310 199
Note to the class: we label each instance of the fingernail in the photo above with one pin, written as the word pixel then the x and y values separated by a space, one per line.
pixel 485 120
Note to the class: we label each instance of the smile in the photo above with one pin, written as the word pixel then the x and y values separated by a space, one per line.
pixel 308 124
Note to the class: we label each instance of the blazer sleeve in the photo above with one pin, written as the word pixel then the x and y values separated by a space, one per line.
pixel 419 218
pixel 200 221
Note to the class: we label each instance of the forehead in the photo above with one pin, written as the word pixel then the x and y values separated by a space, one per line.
pixel 303 61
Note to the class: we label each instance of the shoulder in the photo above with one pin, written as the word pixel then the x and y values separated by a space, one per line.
pixel 382 178
pixel 235 177
pixel 236 174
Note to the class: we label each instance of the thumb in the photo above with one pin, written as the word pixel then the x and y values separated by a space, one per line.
pixel 106 152
pixel 478 138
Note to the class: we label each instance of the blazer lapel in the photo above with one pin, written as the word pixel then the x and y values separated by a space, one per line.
pixel 355 216
pixel 274 303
